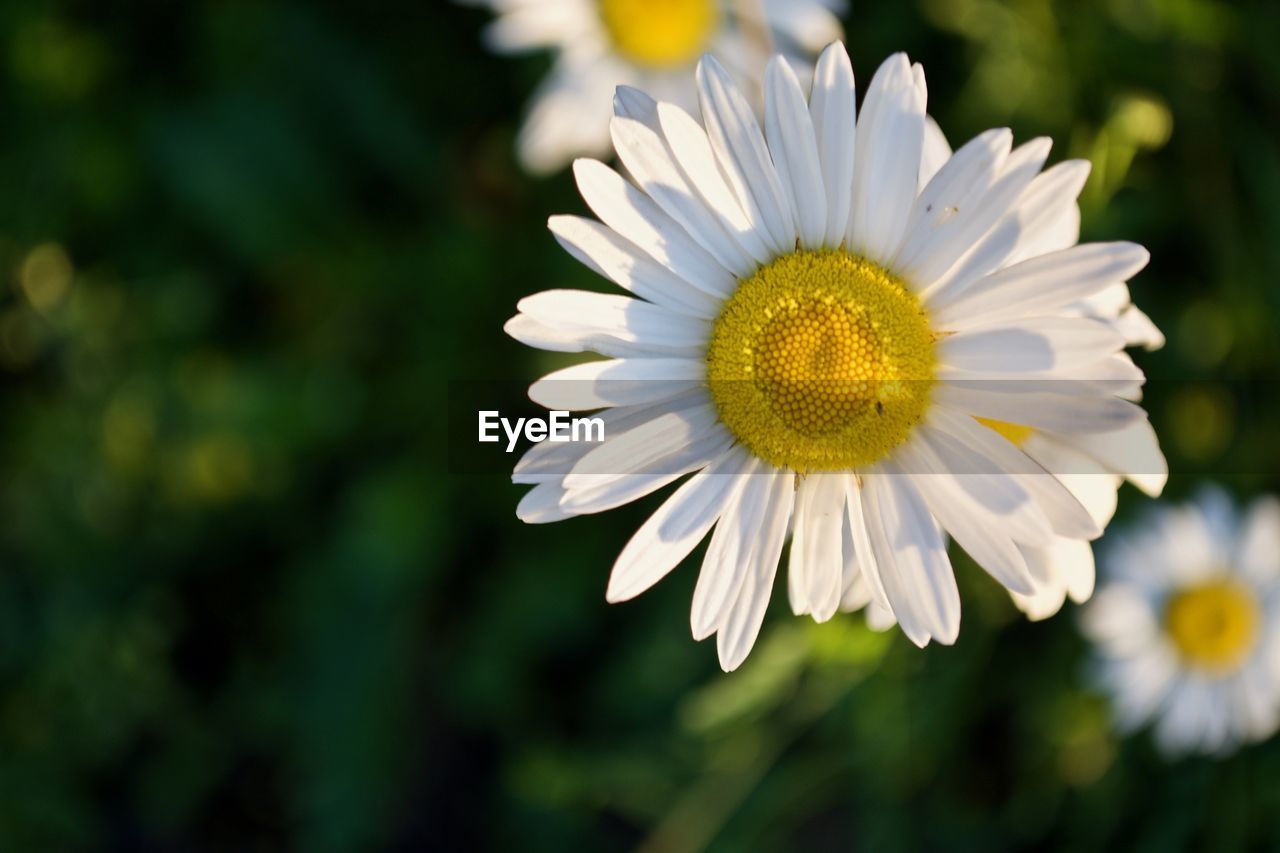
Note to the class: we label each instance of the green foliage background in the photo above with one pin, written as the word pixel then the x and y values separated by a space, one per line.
pixel 247 603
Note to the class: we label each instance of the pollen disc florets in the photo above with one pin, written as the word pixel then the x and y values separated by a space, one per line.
pixel 1214 625
pixel 821 361
pixel 660 32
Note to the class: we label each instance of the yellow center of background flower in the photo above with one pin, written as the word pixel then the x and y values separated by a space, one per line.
pixel 1214 625
pixel 1016 433
pixel 821 361
pixel 660 32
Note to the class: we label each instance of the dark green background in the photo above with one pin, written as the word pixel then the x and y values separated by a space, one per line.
pixel 246 603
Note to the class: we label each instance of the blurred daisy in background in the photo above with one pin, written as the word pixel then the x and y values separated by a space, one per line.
pixel 814 337
pixel 652 45
pixel 1186 626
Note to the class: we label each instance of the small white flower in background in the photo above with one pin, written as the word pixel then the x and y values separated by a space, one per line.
pixel 1186 625
pixel 652 45
pixel 825 309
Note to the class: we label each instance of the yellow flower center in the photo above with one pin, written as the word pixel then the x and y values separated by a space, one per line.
pixel 660 32
pixel 1214 625
pixel 1016 433
pixel 821 361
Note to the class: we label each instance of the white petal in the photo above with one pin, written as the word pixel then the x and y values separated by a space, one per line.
pixel 1066 515
pixel 740 150
pixel 833 112
pixel 817 562
pixel 724 564
pixel 530 332
pixel 541 504
pixel 1044 345
pixel 1258 552
pixel 616 382
pixel 1038 286
pixel 1133 451
pixel 691 149
pixel 640 220
pixel 912 559
pixel 650 161
pixel 738 634
pixel 889 138
pixel 947 203
pixel 935 152
pixel 675 528
pixel 1069 563
pixel 1046 219
pixel 605 251
pixel 981 210
pixel 553 460
pixel 1138 330
pixel 811 25
pixel 795 151
pixel 979 480
pixel 863 550
pixel 605 318
pixel 628 467
pixel 565 119
pixel 974 531
pixel 1039 404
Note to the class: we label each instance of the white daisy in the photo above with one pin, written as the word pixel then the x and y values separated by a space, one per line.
pixel 650 44
pixel 1187 625
pixel 814 338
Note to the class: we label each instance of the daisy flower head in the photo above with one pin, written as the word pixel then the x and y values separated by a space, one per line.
pixel 823 310
pixel 652 45
pixel 1186 627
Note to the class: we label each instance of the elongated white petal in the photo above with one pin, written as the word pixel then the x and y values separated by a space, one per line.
pixel 692 151
pixel 1133 451
pixel 740 150
pixel 595 316
pixel 1258 551
pixel 736 637
pixel 551 460
pixel 650 161
pixel 638 218
pixel 817 562
pixel 530 332
pixel 1037 345
pixel 833 111
pixel 794 147
pixel 725 565
pixel 1064 511
pixel 626 467
pixel 935 152
pixel 1039 285
pixel 973 525
pixel 889 138
pixel 620 261
pixel 912 559
pixel 946 204
pixel 1046 219
pixel 980 212
pixel 644 448
pixel 616 382
pixel 541 504
pixel 1040 404
pixel 864 550
pixel 980 482
pixel 675 528
pixel 608 493
pixel 1138 330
